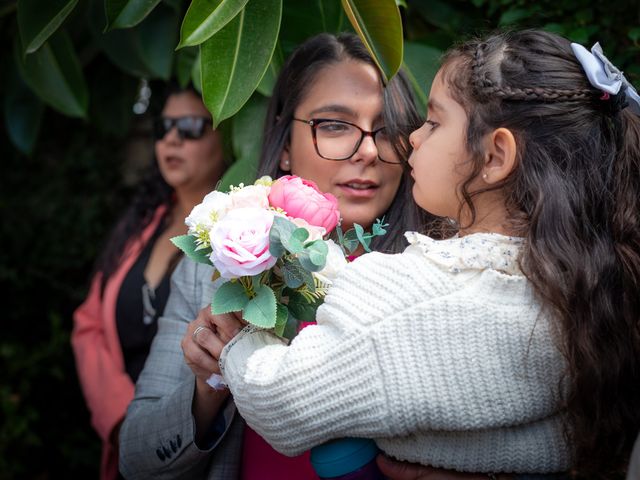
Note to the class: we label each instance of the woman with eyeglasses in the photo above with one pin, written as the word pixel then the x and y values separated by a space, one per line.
pixel 115 325
pixel 331 121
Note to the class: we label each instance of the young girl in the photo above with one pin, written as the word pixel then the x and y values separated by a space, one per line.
pixel 177 425
pixel 513 347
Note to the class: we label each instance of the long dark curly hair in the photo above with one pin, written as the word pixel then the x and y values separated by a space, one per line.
pixel 399 111
pixel 151 192
pixel 575 196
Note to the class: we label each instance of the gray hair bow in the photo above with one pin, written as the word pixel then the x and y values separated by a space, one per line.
pixel 604 75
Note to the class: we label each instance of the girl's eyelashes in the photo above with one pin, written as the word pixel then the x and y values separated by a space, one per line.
pixel 432 124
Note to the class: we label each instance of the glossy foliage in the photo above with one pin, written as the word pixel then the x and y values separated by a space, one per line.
pixel 71 146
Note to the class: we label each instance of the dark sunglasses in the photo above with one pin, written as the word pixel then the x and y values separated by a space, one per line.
pixel 190 128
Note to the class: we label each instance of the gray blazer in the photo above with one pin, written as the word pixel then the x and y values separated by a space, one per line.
pixel 157 436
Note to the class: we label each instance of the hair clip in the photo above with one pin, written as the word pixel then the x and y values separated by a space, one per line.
pixel 605 76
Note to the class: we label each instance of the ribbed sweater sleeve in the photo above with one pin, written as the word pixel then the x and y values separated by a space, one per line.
pixel 430 363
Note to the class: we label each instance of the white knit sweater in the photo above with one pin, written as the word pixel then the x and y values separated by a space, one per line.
pixel 441 354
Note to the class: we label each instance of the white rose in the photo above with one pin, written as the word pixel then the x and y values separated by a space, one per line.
pixel 336 261
pixel 251 196
pixel 315 233
pixel 203 217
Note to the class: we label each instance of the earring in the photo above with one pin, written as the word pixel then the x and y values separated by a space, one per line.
pixel 485 176
pixel 286 164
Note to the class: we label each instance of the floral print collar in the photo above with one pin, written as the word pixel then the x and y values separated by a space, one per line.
pixel 477 251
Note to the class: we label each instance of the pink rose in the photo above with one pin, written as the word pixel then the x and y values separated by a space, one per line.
pixel 301 198
pixel 240 243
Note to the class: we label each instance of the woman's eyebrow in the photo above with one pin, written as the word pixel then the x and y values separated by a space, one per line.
pixel 334 109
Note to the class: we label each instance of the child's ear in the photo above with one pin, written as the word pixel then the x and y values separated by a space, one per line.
pixel 501 149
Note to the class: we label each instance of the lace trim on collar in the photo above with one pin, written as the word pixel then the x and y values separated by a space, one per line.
pixel 478 251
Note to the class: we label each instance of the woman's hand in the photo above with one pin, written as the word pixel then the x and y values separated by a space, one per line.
pixel 205 338
pixel 395 470
pixel 202 345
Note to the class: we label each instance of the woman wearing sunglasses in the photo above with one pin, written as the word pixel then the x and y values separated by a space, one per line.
pixel 115 325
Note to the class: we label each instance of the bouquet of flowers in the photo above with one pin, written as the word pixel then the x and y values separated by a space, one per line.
pixel 268 243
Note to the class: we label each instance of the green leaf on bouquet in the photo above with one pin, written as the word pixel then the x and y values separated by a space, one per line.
pixel 230 297
pixel 261 309
pixel 314 256
pixel 282 314
pixel 301 308
pixel 280 229
pixel 295 242
pixel 300 234
pixel 188 245
pixel 379 227
pixel 294 274
pixel 350 240
pixel 318 252
pixel 291 327
pixel 365 240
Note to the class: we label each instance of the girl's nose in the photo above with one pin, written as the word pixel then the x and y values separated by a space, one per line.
pixel 414 138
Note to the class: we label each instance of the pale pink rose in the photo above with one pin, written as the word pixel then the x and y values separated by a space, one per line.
pixel 301 198
pixel 256 196
pixel 240 243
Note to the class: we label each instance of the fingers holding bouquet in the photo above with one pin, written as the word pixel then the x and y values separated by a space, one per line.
pixel 205 338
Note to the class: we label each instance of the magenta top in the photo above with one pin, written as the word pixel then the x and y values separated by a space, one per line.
pixel 261 462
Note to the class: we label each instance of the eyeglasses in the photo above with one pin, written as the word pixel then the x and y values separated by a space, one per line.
pixel 190 127
pixel 340 140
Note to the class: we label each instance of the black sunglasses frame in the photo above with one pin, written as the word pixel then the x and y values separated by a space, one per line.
pixel 189 127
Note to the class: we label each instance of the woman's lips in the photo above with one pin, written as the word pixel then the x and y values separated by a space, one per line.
pixel 359 189
pixel 173 162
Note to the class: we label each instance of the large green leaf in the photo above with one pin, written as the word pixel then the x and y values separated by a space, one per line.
pixel 421 63
pixel 127 13
pixel 246 141
pixel 379 26
pixel 230 297
pixel 185 60
pixel 196 73
pixel 54 74
pixel 301 20
pixel 122 47
pixel 205 17
pixel 234 60
pixel 248 126
pixel 265 87
pixel 157 37
pixel 187 243
pixel 22 112
pixel 261 310
pixel 38 20
pixel 143 51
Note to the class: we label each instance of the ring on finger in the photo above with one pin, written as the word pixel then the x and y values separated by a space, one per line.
pixel 198 329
